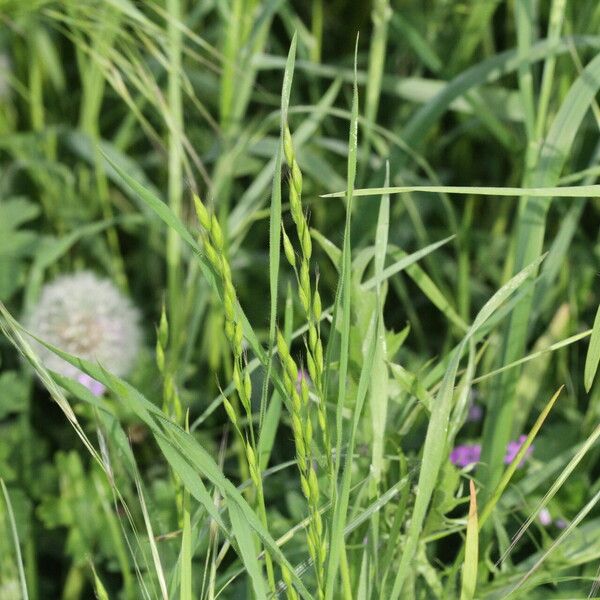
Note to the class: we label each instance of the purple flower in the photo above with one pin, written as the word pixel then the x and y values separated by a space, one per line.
pixel 91 384
pixel 475 413
pixel 545 517
pixel 468 454
pixel 560 523
pixel 302 375
pixel 465 455
pixel 513 448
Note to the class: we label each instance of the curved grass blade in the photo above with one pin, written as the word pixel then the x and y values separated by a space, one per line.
pixel 16 542
pixel 593 355
pixel 275 224
pixel 469 574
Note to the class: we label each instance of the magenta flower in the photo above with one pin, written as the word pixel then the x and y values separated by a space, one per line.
pixel 469 454
pixel 302 375
pixel 475 413
pixel 513 448
pixel 560 523
pixel 91 384
pixel 465 455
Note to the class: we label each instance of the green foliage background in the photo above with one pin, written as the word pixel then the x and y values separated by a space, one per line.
pixel 115 113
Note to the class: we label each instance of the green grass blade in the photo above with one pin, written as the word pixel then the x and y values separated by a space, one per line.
pixel 402 263
pixel 487 70
pixel 185 563
pixel 275 222
pixel 337 545
pixel 99 589
pixel 340 513
pixel 524 19
pixel 172 221
pixel 556 485
pixel 563 536
pixel 593 355
pixel 567 191
pixel 469 573
pixel 16 542
pixel 510 471
pixel 247 548
pixel 160 575
pixel 175 149
pixel 379 392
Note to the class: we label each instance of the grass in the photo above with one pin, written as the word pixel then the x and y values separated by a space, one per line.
pixel 359 235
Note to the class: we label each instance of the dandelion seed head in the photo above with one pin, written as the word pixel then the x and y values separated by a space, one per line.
pixel 90 318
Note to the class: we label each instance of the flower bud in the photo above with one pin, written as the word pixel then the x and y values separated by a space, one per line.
pixel 211 255
pixel 297 178
pixel 288 146
pixel 239 335
pixel 288 249
pixel 229 410
pixel 163 328
pixel 160 357
pixel 306 242
pixel 282 347
pixel 317 310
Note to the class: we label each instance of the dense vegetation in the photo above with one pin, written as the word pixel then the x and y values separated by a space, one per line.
pixel 312 289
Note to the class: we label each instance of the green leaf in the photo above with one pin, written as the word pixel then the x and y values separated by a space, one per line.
pixel 16 542
pixel 13 393
pixel 16 211
pixel 469 574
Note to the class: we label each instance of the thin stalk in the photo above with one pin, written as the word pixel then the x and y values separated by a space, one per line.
pixel 317 31
pixel 380 15
pixel 557 16
pixel 175 183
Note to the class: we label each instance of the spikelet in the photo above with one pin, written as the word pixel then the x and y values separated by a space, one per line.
pixel 213 243
pixel 309 297
pixel 302 430
pixel 171 401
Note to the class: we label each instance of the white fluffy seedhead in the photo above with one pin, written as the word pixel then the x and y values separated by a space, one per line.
pixel 88 317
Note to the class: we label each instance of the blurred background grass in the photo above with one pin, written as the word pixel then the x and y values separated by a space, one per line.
pixel 184 97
